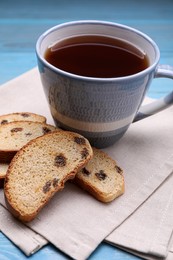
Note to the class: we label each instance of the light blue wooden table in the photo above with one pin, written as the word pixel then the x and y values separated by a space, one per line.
pixel 21 22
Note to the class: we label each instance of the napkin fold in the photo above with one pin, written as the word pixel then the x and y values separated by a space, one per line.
pixel 26 239
pixel 139 221
pixel 149 229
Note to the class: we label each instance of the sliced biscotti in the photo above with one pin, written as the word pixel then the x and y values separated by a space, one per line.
pixel 41 168
pixel 21 116
pixel 16 134
pixel 3 170
pixel 101 177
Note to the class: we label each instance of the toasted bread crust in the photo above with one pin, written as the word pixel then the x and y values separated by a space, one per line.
pixel 101 177
pixel 21 116
pixel 41 168
pixel 3 170
pixel 15 134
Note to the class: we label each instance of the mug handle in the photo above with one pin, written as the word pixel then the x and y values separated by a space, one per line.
pixel 165 71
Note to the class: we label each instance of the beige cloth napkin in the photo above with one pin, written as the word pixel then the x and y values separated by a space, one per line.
pixel 26 239
pixel 149 229
pixel 75 222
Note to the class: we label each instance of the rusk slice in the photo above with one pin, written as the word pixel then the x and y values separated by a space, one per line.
pixel 41 168
pixel 101 177
pixel 14 135
pixel 3 170
pixel 21 116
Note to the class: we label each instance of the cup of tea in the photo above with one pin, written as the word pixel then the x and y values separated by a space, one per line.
pixel 95 75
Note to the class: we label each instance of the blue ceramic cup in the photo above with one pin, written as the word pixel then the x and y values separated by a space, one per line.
pixel 101 109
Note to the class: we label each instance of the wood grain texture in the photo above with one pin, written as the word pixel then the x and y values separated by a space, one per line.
pixel 21 22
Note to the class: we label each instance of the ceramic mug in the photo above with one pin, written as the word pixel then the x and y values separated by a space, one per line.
pixel 101 109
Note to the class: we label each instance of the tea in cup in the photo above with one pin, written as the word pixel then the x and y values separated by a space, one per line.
pixel 95 75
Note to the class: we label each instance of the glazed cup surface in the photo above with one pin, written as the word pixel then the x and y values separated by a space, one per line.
pixel 101 109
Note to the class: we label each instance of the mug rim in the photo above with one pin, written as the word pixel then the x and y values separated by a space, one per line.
pixel 100 22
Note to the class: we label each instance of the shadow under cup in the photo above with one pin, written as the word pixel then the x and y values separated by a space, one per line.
pixel 101 109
